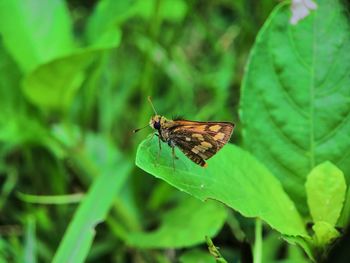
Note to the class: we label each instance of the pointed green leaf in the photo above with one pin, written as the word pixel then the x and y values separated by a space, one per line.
pixel 295 102
pixel 233 177
pixel 325 187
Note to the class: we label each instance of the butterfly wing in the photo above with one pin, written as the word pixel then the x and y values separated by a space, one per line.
pixel 200 140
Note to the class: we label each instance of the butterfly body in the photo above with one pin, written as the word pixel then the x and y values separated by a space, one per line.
pixel 197 140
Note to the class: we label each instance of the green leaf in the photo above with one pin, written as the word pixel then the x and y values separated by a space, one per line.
pixel 186 225
pixel 324 233
pixel 295 98
pixel 233 177
pixel 325 187
pixel 34 32
pixel 112 170
pixel 64 75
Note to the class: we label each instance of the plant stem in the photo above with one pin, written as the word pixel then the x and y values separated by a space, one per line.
pixel 257 253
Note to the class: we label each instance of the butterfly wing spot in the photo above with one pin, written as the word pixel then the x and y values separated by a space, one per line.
pixel 195 150
pixel 215 128
pixel 206 145
pixel 202 150
pixel 200 127
pixel 219 136
pixel 198 136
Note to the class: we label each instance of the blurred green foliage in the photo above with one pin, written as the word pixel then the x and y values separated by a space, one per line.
pixel 74 81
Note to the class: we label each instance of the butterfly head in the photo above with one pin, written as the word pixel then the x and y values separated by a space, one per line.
pixel 157 122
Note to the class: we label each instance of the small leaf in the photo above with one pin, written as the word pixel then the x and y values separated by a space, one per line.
pixel 325 187
pixel 324 233
pixel 233 177
pixel 183 226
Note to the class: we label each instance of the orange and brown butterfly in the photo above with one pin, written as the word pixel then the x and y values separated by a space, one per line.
pixel 199 141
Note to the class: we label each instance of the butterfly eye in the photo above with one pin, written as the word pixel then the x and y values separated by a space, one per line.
pixel 156 125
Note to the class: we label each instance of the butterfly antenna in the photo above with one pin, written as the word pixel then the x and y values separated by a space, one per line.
pixel 136 130
pixel 150 101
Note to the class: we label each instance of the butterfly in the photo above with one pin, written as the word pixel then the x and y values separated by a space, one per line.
pixel 198 140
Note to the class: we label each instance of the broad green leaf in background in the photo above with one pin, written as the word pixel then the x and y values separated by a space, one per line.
pixel 111 171
pixel 35 32
pixel 233 177
pixel 295 97
pixel 54 84
pixel 186 225
pixel 325 188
